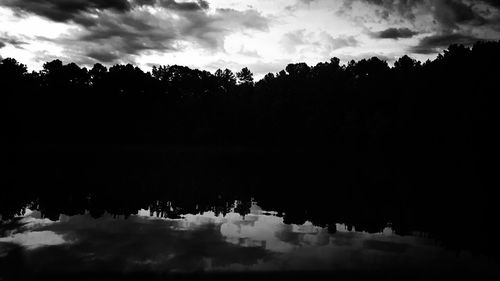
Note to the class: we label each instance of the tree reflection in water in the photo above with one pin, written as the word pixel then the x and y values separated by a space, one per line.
pixel 211 243
pixel 300 185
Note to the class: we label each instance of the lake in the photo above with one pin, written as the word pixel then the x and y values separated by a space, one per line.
pixel 114 213
pixel 211 243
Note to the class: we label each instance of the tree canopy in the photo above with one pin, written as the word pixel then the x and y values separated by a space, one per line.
pixel 407 135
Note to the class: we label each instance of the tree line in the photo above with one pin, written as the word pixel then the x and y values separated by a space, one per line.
pixel 327 104
pixel 411 143
pixel 363 112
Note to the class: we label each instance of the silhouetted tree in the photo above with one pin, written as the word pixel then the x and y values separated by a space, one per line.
pixel 10 70
pixel 226 79
pixel 400 140
pixel 406 64
pixel 98 74
pixel 245 76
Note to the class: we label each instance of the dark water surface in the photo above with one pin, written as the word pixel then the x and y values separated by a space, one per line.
pixel 258 242
pixel 197 213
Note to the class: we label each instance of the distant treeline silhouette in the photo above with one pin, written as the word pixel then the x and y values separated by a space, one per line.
pixel 327 104
pixel 364 142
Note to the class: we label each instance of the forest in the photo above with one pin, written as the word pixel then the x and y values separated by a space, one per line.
pixel 358 104
pixel 413 136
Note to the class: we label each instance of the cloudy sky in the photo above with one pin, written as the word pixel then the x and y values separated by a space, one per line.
pixel 264 35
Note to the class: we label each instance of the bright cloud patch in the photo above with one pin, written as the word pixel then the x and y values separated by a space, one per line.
pixel 35 239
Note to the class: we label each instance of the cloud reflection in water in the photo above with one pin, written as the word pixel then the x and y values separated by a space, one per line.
pixel 209 242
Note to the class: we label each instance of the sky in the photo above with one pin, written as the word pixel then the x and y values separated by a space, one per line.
pixel 263 35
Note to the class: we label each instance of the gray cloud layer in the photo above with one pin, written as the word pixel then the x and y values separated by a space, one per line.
pixel 117 30
pixel 395 33
pixel 447 13
pixel 67 10
pixel 455 21
pixel 6 39
pixel 63 11
pixel 114 30
pixel 433 44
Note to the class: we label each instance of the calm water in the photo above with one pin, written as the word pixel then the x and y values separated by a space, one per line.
pixel 173 211
pixel 257 242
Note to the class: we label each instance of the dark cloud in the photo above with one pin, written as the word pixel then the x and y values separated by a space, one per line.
pixel 130 34
pixel 126 35
pixel 104 56
pixel 76 10
pixel 174 5
pixel 11 40
pixel 145 2
pixel 113 30
pixel 453 21
pixel 116 37
pixel 451 13
pixel 63 11
pixel 395 33
pixel 203 4
pixel 435 43
pixel 405 8
pixel 448 14
pixel 184 6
